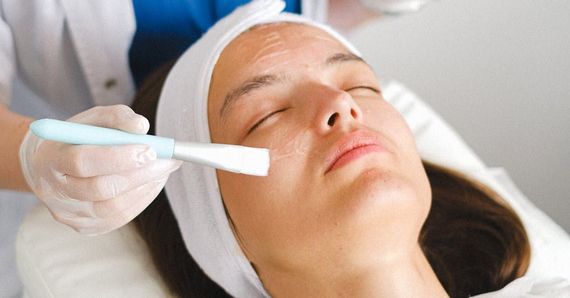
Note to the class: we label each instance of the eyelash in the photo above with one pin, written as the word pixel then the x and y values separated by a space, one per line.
pixel 256 125
pixel 364 87
pixel 263 119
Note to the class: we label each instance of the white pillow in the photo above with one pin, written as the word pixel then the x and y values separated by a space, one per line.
pixel 439 143
pixel 55 261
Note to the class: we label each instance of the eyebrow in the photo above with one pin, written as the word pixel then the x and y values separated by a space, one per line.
pixel 254 83
pixel 343 57
pixel 263 81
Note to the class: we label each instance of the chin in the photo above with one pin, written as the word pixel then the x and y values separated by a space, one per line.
pixel 377 182
pixel 381 190
pixel 380 210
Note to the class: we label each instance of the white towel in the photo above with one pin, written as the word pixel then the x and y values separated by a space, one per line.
pixel 193 190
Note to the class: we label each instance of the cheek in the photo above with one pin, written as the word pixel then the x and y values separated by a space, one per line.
pixel 253 202
pixel 260 209
pixel 382 117
pixel 289 143
pixel 387 120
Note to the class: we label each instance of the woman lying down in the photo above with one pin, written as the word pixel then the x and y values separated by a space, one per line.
pixel 349 209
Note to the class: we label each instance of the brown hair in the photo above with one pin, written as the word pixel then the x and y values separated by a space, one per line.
pixel 473 240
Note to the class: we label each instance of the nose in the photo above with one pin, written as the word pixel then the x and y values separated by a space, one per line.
pixel 334 109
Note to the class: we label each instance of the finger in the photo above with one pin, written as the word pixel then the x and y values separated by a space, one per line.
pixel 117 206
pixel 64 207
pixel 117 116
pixel 97 226
pixel 90 161
pixel 102 188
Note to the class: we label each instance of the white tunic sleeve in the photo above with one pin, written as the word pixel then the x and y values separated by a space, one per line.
pixel 6 59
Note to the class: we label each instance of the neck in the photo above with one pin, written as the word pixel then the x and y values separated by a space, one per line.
pixel 410 276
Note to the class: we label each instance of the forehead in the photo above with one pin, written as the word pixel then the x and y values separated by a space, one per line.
pixel 268 37
pixel 264 46
pixel 271 48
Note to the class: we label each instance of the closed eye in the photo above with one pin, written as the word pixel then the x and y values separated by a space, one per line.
pixel 256 125
pixel 375 90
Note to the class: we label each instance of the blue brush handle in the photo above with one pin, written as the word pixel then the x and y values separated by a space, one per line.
pixel 83 134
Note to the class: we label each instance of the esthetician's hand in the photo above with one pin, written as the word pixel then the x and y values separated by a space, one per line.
pixel 96 189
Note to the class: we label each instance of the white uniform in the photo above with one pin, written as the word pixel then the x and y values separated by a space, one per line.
pixel 58 58
pixel 73 54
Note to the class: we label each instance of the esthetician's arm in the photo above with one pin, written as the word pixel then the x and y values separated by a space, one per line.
pixel 346 15
pixel 13 128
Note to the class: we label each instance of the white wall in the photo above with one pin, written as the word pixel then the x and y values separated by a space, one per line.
pixel 499 72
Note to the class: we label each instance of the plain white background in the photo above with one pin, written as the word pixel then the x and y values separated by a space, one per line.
pixel 499 73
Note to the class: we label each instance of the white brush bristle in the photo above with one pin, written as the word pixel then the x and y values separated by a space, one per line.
pixel 254 161
pixel 233 158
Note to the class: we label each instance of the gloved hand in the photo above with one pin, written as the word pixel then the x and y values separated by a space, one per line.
pixel 96 189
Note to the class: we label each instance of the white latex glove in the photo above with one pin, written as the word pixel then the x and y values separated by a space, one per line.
pixel 96 189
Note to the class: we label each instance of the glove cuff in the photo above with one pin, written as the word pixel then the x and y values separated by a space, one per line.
pixel 28 148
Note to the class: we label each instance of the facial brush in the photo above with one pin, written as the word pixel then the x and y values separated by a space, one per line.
pixel 233 158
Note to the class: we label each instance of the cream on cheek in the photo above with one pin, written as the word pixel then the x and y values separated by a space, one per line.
pixel 293 139
pixel 288 137
pixel 290 144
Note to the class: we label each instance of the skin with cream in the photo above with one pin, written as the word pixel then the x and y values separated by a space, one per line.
pixel 322 223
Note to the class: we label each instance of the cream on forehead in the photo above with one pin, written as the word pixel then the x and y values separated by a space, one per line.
pixel 275 39
pixel 274 35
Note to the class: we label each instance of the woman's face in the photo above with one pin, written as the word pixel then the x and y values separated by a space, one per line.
pixel 346 186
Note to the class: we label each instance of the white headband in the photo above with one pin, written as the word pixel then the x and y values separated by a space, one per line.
pixel 182 114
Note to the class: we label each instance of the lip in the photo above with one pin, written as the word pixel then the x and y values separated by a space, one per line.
pixel 351 147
